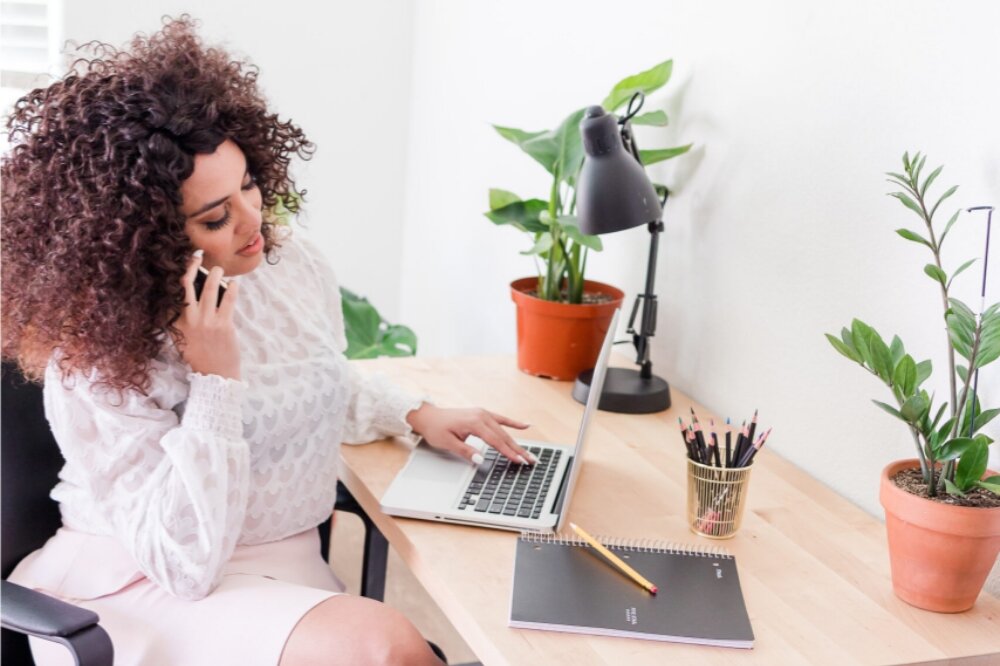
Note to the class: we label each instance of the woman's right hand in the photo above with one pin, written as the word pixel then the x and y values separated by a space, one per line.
pixel 209 346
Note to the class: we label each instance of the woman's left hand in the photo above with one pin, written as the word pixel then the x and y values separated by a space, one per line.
pixel 448 428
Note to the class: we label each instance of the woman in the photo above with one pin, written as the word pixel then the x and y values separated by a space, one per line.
pixel 200 434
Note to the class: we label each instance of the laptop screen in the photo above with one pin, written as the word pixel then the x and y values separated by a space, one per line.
pixel 593 398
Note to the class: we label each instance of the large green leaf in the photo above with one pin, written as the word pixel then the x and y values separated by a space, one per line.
pixel 659 154
pixel 890 409
pixel 500 198
pixel 936 274
pixel 960 269
pixel 944 196
pixel 924 370
pixel 971 466
pixel 904 378
pixel 930 179
pixel 914 408
pixel 539 145
pixel 570 155
pixel 849 352
pixel 913 236
pixel 368 335
pixel 954 448
pixel 907 201
pixel 522 215
pixel 861 334
pixel 947 227
pixel 570 227
pixel 645 82
pixel 992 486
pixel 542 245
pixel 881 358
pixel 896 350
pixel 654 118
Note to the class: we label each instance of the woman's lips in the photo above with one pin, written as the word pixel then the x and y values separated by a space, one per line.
pixel 254 246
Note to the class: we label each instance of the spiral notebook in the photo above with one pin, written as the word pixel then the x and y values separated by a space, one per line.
pixel 563 584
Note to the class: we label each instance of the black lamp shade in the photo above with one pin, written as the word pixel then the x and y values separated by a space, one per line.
pixel 613 192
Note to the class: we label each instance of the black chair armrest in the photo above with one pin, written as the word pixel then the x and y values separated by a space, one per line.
pixel 29 612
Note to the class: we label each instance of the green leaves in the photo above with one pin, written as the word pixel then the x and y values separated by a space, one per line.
pixel 907 201
pixel 653 118
pixel 904 377
pixel 645 82
pixel 658 155
pixel 991 484
pixel 913 236
pixel 507 209
pixel 936 274
pixel 961 327
pixel 370 336
pixel 972 465
pixel 560 150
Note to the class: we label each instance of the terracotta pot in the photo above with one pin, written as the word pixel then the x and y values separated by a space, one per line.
pixel 940 554
pixel 560 340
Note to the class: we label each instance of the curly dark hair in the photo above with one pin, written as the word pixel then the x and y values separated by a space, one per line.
pixel 93 241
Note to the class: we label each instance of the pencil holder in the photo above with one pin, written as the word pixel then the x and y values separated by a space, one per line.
pixel 716 498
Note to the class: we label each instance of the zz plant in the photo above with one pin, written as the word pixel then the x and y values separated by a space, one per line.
pixel 950 447
pixel 557 239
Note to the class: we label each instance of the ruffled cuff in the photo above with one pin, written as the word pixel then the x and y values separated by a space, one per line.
pixel 215 404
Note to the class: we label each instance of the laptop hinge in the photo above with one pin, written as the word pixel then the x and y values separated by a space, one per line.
pixel 561 494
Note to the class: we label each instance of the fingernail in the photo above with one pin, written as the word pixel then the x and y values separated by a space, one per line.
pixel 478 458
pixel 523 461
pixel 533 459
pixel 198 253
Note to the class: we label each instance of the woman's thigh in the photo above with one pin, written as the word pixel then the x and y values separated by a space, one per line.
pixel 355 630
pixel 246 620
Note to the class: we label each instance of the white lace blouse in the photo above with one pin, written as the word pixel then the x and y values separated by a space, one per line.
pixel 182 475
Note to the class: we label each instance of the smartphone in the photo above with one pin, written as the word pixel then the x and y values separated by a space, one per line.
pixel 199 284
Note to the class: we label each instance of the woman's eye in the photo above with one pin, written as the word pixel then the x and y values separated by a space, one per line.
pixel 250 184
pixel 215 225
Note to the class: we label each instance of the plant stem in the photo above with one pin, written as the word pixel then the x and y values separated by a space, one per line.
pixel 936 250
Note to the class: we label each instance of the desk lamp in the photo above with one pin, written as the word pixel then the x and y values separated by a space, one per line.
pixel 613 193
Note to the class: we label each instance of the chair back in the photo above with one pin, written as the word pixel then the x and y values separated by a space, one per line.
pixel 30 469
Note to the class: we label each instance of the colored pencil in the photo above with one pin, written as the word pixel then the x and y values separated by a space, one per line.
pixel 613 559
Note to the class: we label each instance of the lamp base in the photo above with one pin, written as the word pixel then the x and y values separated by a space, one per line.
pixel 625 391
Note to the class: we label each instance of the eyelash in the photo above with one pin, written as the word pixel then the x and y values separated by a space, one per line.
pixel 215 225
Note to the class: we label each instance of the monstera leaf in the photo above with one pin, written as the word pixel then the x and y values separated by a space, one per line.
pixel 370 336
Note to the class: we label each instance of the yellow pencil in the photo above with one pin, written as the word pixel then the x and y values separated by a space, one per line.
pixel 613 559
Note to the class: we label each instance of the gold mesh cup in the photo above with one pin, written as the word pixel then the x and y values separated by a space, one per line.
pixel 716 498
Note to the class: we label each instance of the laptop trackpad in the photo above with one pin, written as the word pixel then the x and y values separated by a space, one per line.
pixel 435 466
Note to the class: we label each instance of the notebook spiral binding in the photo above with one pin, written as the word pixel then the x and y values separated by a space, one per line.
pixel 632 545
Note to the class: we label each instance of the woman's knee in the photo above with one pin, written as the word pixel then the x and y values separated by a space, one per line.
pixel 355 630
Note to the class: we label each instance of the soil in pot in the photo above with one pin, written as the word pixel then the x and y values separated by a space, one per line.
pixel 912 481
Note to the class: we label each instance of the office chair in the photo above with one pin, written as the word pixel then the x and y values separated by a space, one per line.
pixel 31 464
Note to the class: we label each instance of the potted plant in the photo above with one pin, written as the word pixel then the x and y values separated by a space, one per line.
pixel 561 316
pixel 942 507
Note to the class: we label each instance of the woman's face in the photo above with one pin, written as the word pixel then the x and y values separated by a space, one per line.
pixel 222 204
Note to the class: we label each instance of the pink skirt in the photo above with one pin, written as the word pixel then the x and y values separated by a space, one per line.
pixel 265 591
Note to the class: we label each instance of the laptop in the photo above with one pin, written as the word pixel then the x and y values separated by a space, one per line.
pixel 441 486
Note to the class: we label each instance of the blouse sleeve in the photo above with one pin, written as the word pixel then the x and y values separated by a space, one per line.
pixel 174 489
pixel 377 408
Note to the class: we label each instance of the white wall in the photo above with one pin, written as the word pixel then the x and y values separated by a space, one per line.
pixel 779 229
pixel 341 71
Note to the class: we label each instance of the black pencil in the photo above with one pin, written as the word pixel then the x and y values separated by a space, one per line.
pixel 752 451
pixel 701 442
pixel 729 436
pixel 753 427
pixel 684 438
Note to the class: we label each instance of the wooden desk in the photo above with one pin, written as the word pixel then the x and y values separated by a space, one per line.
pixel 814 568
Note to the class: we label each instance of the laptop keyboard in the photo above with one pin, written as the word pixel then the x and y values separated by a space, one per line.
pixel 507 488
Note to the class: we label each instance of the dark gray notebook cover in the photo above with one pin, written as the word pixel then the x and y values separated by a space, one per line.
pixel 564 585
